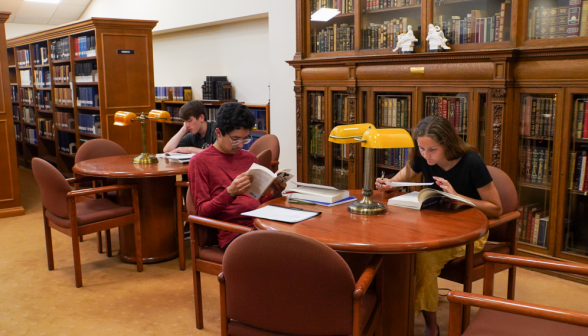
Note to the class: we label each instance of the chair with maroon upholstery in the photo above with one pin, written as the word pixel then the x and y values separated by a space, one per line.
pixel 499 316
pixel 282 283
pixel 62 213
pixel 264 158
pixel 502 239
pixel 95 149
pixel 271 142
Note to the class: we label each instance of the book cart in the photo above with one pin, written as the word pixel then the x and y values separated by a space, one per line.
pixel 514 85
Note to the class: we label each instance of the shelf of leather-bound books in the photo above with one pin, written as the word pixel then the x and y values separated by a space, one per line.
pixel 554 23
pixel 455 108
pixel 337 33
pixel 339 152
pixel 317 142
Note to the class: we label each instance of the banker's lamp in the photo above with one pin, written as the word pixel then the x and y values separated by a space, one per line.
pixel 122 118
pixel 370 138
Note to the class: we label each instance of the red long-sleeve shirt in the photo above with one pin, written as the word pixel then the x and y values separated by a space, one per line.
pixel 210 172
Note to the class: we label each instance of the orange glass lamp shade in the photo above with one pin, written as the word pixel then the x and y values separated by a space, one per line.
pixel 370 137
pixel 161 116
pixel 122 118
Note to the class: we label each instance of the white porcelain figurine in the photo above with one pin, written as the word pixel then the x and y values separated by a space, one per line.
pixel 436 39
pixel 406 41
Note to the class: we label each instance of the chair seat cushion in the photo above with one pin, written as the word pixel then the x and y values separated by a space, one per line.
pixel 211 253
pixel 92 211
pixel 491 322
pixel 368 304
pixel 453 270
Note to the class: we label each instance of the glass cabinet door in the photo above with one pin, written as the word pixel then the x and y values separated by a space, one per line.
pixel 338 33
pixel 339 152
pixel 316 113
pixel 549 19
pixel 575 225
pixel 383 20
pixel 453 106
pixel 537 114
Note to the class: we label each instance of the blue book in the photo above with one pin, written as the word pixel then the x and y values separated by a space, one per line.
pixel 345 200
pixel 543 225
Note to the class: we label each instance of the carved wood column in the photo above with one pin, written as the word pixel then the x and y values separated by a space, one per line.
pixel 352 101
pixel 498 102
pixel 299 29
pixel 299 125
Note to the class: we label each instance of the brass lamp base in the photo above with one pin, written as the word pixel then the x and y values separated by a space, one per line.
pixel 366 206
pixel 145 158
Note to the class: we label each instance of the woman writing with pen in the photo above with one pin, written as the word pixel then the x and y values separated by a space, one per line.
pixel 454 167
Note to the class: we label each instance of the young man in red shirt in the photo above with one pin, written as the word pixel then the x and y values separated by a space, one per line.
pixel 218 177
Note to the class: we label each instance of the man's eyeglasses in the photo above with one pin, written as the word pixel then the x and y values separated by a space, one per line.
pixel 244 141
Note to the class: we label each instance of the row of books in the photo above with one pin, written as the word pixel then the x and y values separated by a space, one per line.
pixel 61 74
pixel 15 112
pixel 537 116
pixel 40 55
pixel 340 107
pixel 317 134
pixel 344 6
pixel 85 46
pixel 60 49
pixel 25 77
pixel 174 113
pixel 23 57
pixel 63 96
pixel 383 36
pixel 89 123
pixel 394 110
pixel 340 178
pixel 317 174
pixel 42 78
pixel 88 96
pixel 316 103
pixel 260 119
pixel 535 164
pixel 477 26
pixel 380 4
pixel 395 157
pixel 66 142
pixel 341 151
pixel 533 224
pixel 175 93
pixel 28 115
pixel 211 112
pixel 30 136
pixel 581 118
pixel 44 100
pixel 27 96
pixel 14 93
pixel 578 171
pixel 338 37
pixel 217 88
pixel 450 107
pixel 45 127
pixel 64 120
pixel 558 22
pixel 17 132
pixel 86 72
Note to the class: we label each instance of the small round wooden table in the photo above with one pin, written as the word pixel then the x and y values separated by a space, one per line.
pixel 399 234
pixel 156 188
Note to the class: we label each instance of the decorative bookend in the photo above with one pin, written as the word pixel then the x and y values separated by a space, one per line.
pixel 436 39
pixel 406 42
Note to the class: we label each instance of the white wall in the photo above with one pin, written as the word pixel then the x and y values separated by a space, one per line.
pixel 237 50
pixel 18 29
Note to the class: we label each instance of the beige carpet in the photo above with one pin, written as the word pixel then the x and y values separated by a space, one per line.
pixel 117 300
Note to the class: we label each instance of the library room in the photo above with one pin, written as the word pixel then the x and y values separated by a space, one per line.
pixel 294 167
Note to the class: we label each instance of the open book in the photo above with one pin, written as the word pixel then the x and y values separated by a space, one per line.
pixel 263 178
pixel 427 197
pixel 176 157
pixel 317 193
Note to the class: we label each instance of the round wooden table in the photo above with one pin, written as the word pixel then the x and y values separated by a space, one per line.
pixel 156 187
pixel 399 233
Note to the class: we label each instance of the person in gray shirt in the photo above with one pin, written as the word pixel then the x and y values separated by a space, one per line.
pixel 196 134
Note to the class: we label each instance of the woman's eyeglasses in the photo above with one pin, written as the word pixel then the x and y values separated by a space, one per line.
pixel 244 141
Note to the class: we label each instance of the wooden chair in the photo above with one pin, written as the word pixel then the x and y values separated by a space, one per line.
pixel 265 158
pixel 95 149
pixel 271 142
pixel 281 283
pixel 499 316
pixel 62 213
pixel 502 239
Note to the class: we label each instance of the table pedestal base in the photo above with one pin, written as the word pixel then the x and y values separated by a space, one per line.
pixel 395 287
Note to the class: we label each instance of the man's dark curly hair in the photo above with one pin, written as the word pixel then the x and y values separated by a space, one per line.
pixel 232 116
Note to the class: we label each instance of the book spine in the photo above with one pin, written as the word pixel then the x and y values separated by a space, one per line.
pixel 574 15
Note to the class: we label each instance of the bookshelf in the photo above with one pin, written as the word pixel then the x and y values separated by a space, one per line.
pixel 516 96
pixel 165 131
pixel 10 202
pixel 67 82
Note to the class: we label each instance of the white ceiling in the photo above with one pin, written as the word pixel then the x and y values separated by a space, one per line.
pixel 43 13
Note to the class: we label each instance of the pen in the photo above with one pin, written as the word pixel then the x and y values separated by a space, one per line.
pixel 301 202
pixel 382 175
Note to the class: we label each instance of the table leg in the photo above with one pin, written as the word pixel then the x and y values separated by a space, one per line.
pixel 395 287
pixel 159 238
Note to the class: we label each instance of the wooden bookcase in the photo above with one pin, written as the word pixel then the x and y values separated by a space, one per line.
pixel 97 67
pixel 165 131
pixel 494 89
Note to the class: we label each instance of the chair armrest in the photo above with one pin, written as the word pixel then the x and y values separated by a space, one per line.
pixel 182 184
pixel 503 219
pixel 219 224
pixel 536 263
pixel 100 190
pixel 366 278
pixel 80 179
pixel 519 308
pixel 275 162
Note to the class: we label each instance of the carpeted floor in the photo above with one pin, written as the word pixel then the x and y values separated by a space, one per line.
pixel 117 300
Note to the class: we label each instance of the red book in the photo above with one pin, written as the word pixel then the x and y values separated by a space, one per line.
pixel 585 177
pixel 585 131
pixel 445 114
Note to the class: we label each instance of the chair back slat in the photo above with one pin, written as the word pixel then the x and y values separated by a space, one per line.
pixel 98 148
pixel 509 199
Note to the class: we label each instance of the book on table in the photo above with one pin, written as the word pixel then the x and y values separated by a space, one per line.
pixel 317 193
pixel 425 198
pixel 264 177
pixel 176 157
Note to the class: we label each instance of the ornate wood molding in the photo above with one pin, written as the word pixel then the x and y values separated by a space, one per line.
pixel 298 94
pixel 497 135
pixel 498 95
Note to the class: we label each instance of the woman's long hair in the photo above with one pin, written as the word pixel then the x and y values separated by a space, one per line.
pixel 440 130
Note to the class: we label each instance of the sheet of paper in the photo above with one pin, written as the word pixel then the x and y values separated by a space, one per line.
pixel 281 214
pixel 178 156
pixel 407 184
